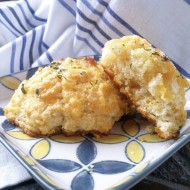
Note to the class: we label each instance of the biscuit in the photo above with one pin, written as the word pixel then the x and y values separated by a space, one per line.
pixel 71 96
pixel 150 80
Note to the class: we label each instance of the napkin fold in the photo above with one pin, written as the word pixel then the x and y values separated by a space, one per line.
pixel 33 33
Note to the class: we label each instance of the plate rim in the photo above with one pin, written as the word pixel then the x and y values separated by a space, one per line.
pixel 171 150
pixel 8 145
pixel 157 161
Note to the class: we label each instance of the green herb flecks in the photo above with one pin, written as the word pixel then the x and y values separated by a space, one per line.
pixel 165 58
pixel 82 72
pixel 59 76
pixel 37 91
pixel 90 169
pixel 155 53
pixel 180 75
pixel 93 84
pixel 64 77
pixel 62 70
pixel 23 89
pixel 55 65
pixel 76 67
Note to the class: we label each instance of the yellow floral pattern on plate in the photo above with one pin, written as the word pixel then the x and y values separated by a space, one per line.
pixel 65 139
pixel 40 149
pixel 131 127
pixel 151 138
pixel 111 139
pixel 135 151
pixel 120 158
pixel 20 135
pixel 10 82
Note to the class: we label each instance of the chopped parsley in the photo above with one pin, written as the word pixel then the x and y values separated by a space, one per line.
pixel 76 67
pixel 88 171
pixel 64 77
pixel 62 70
pixel 165 58
pixel 59 76
pixel 82 72
pixel 94 83
pixel 37 91
pixel 180 75
pixel 155 53
pixel 55 65
pixel 23 89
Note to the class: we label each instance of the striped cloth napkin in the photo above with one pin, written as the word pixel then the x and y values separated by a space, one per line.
pixel 33 33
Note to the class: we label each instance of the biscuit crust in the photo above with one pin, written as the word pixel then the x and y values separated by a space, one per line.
pixel 150 80
pixel 71 96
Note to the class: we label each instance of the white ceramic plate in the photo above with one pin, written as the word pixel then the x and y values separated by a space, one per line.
pixel 117 161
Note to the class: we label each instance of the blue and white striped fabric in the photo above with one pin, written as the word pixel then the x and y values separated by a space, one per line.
pixel 33 32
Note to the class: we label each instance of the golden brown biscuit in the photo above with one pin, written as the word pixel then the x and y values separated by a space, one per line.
pixel 150 80
pixel 74 96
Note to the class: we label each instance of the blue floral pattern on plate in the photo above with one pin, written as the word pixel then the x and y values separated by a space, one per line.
pixel 115 161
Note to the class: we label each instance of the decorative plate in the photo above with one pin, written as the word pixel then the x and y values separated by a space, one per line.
pixel 117 161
